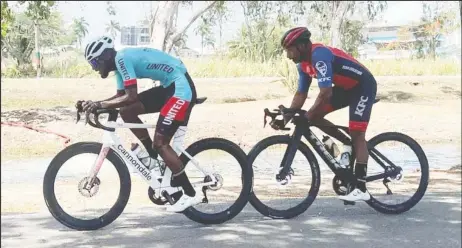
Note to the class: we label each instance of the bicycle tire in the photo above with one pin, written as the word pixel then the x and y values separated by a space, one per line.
pixel 49 194
pixel 407 205
pixel 247 180
pixel 315 184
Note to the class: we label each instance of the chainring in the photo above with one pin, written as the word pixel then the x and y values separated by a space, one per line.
pixel 161 200
pixel 339 186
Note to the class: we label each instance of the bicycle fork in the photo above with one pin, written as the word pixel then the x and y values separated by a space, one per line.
pixel 99 161
pixel 290 154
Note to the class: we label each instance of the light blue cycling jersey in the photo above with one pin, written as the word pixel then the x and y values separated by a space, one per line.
pixel 140 62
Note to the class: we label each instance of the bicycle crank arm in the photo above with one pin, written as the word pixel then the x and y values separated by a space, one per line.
pixel 199 184
pixel 205 199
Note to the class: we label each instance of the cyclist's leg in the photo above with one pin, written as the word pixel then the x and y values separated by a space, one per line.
pixel 149 101
pixel 338 100
pixel 361 104
pixel 174 114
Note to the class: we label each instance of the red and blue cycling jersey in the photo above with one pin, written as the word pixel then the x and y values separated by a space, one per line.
pixel 331 66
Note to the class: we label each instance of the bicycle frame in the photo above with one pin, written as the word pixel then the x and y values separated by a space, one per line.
pixel 159 182
pixel 304 130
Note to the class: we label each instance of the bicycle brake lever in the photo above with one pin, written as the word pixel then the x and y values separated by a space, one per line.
pixel 266 111
pixel 87 117
pixel 78 117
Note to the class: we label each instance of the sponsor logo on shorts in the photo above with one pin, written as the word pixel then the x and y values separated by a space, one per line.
pixel 361 105
pixel 173 111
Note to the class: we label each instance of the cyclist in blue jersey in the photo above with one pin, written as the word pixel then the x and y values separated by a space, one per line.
pixel 342 81
pixel 174 100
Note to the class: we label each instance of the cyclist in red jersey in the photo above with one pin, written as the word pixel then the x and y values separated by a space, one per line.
pixel 342 81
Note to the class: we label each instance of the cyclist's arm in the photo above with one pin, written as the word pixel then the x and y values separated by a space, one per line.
pixel 126 83
pixel 304 82
pixel 322 60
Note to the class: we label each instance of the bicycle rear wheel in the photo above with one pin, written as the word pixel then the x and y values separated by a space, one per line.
pixel 56 209
pixel 422 169
pixel 307 191
pixel 242 177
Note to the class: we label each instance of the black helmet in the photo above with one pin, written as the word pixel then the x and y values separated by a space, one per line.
pixel 295 36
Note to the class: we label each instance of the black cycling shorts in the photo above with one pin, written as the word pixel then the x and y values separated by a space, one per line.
pixel 360 100
pixel 174 111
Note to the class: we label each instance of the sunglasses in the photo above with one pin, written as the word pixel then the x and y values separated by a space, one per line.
pixel 95 63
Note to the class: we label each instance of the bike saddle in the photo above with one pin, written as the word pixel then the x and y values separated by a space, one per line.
pixel 200 100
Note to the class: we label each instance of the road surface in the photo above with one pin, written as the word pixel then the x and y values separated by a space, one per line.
pixel 434 222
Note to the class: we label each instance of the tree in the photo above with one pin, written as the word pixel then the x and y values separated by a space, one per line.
pixel 38 11
pixel 163 29
pixel 264 23
pixel 221 14
pixel 332 14
pixel 113 26
pixel 204 30
pixel 439 18
pixel 352 36
pixel 80 29
pixel 19 41
pixel 6 18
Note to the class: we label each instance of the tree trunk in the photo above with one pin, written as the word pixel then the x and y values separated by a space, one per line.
pixel 162 22
pixel 339 10
pixel 37 51
pixel 221 32
pixel 202 45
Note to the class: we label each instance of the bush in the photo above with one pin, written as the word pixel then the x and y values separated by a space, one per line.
pixel 73 65
pixel 19 71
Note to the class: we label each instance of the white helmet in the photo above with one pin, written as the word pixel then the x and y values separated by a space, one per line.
pixel 95 47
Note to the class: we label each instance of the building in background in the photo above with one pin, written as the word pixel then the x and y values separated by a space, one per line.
pixel 137 35
pixel 386 41
pixel 379 36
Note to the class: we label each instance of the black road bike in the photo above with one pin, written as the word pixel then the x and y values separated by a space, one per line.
pixel 343 176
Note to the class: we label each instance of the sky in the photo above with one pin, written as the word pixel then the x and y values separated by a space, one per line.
pixel 130 12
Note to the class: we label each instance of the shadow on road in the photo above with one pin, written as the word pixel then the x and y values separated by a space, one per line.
pixel 434 222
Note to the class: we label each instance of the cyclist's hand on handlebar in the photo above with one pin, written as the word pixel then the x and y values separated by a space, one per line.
pixel 277 124
pixel 90 106
pixel 287 117
pixel 78 105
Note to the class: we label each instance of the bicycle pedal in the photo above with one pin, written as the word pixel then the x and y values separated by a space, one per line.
pixel 168 197
pixel 349 203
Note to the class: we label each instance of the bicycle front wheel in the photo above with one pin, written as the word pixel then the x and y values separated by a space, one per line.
pixel 60 210
pixel 230 194
pixel 295 188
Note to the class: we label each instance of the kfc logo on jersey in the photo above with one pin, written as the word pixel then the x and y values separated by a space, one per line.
pixel 321 67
